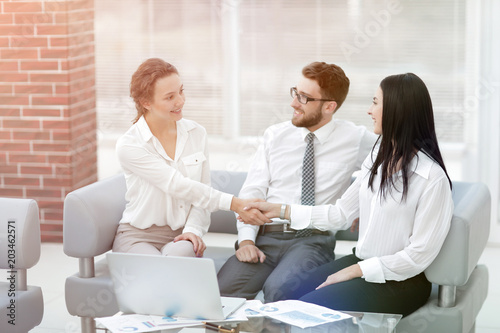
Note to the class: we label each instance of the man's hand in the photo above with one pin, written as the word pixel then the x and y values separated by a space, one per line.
pixel 270 210
pixel 198 244
pixel 248 252
pixel 249 216
pixel 345 274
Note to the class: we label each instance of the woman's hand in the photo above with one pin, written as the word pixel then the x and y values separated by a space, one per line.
pixel 346 274
pixel 249 216
pixel 198 244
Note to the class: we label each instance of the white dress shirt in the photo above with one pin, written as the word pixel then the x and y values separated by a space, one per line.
pixel 275 174
pixel 397 239
pixel 165 191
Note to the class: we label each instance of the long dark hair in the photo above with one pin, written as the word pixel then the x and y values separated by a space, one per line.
pixel 407 127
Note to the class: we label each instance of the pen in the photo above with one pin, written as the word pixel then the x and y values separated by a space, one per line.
pixel 219 328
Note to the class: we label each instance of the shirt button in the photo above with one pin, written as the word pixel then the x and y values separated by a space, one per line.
pixel 181 206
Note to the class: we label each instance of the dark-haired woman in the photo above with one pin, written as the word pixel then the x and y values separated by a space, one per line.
pixel 403 200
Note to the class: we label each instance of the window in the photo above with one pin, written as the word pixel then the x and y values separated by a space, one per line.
pixel 238 59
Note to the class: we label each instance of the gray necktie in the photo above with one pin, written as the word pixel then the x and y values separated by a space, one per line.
pixel 307 197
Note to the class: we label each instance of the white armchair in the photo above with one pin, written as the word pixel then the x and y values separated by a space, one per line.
pixel 21 305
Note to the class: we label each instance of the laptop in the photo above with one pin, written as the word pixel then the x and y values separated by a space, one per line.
pixel 169 286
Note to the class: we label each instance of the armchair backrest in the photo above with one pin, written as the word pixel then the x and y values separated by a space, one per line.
pixel 228 182
pixel 19 233
pixel 91 216
pixel 467 238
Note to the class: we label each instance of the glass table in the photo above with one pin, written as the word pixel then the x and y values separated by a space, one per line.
pixel 359 322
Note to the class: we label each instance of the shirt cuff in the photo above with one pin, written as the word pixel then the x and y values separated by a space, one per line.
pixel 225 201
pixel 192 230
pixel 372 270
pixel 248 232
pixel 300 216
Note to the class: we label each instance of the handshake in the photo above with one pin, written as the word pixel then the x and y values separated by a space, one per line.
pixel 256 211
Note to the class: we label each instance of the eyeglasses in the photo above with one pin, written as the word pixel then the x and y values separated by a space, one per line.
pixel 303 99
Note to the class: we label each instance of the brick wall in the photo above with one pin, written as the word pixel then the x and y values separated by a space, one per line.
pixel 47 104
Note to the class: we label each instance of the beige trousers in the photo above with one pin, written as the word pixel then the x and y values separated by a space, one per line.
pixel 153 240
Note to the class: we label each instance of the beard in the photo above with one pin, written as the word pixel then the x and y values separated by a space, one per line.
pixel 309 120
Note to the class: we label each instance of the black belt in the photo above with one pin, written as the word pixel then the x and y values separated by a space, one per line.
pixel 285 228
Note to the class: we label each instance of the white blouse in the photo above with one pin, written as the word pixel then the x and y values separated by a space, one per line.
pixel 165 191
pixel 397 239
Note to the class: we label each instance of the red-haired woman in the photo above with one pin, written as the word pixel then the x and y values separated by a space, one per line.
pixel 165 161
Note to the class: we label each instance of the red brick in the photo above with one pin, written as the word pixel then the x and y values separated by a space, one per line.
pixel 84 38
pixel 13 77
pixel 59 159
pixel 84 61
pixel 3 158
pixel 8 169
pixel 61 135
pixel 47 77
pixel 49 100
pixel 14 146
pixel 31 135
pixel 29 41
pixel 56 41
pixel 4 42
pixel 27 158
pixel 52 29
pixel 15 100
pixel 45 204
pixel 6 18
pixel 39 65
pixel 80 27
pixel 6 89
pixel 33 18
pixel 77 50
pixel 41 112
pixel 60 18
pixel 49 147
pixel 33 89
pixel 55 124
pixel 10 112
pixel 11 193
pixel 21 123
pixel 62 89
pixel 6 136
pixel 21 181
pixel 53 215
pixel 36 170
pixel 64 170
pixel 17 30
pixel 57 182
pixel 35 193
pixel 19 54
pixel 80 4
pixel 25 7
pixel 56 6
pixel 8 66
pixel 60 53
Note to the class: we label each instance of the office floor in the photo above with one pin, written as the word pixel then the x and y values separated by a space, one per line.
pixel 54 266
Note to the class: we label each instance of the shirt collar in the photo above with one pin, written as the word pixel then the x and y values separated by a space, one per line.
pixel 183 127
pixel 421 164
pixel 321 133
pixel 144 130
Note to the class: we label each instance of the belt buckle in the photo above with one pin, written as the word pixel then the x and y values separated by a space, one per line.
pixel 286 229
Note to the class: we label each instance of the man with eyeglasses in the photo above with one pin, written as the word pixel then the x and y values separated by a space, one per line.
pixel 296 167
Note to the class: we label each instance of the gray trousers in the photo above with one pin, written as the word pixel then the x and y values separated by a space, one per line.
pixel 287 260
